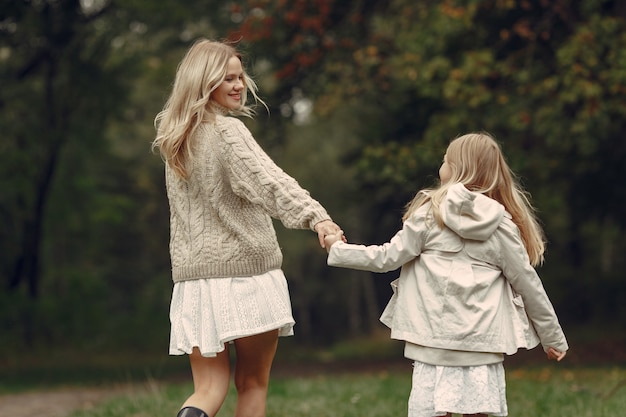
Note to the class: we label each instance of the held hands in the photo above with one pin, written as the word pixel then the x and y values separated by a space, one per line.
pixel 326 228
pixel 555 354
pixel 330 240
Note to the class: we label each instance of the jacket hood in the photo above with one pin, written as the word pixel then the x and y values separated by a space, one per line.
pixel 469 214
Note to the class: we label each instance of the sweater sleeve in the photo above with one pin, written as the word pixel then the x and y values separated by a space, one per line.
pixel 255 177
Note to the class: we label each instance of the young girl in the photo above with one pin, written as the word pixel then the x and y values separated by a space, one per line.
pixel 223 191
pixel 467 286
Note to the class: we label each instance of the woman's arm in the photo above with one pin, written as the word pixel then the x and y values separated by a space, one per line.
pixel 256 178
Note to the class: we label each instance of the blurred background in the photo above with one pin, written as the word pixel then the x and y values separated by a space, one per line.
pixel 364 97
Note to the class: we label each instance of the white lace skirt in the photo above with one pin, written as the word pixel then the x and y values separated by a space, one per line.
pixel 437 390
pixel 208 313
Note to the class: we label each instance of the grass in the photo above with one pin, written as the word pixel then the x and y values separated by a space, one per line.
pixel 557 392
pixel 547 391
pixel 365 378
pixel 346 395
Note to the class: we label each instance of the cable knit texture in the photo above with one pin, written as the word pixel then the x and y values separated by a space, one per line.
pixel 221 216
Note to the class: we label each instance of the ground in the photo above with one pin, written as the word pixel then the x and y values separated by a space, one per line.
pixel 56 403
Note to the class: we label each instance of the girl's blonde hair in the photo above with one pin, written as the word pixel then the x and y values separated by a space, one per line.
pixel 477 162
pixel 200 72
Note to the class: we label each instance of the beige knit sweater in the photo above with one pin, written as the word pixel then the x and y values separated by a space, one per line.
pixel 220 217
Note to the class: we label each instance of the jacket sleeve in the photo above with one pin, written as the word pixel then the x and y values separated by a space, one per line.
pixel 520 273
pixel 255 177
pixel 406 245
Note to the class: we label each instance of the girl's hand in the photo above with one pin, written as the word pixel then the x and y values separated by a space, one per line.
pixel 330 240
pixel 555 354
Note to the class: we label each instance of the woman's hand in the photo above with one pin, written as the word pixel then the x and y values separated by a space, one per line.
pixel 555 354
pixel 325 228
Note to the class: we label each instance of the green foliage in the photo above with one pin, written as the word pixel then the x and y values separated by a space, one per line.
pixel 85 250
pixel 546 78
pixel 85 247
pixel 61 90
pixel 84 241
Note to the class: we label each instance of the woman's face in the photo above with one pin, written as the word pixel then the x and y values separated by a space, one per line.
pixel 445 172
pixel 228 93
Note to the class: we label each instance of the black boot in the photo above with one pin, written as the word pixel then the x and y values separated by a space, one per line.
pixel 191 412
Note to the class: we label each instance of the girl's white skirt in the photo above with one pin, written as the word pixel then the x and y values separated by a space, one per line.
pixel 208 313
pixel 437 390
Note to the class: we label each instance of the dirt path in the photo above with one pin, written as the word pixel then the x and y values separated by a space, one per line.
pixel 54 403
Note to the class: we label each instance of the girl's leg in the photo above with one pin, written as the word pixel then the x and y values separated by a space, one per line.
pixel 211 377
pixel 255 355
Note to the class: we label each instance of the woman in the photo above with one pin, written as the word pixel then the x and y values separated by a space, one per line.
pixel 223 191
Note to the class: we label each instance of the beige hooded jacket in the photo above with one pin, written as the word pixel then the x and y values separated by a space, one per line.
pixel 468 286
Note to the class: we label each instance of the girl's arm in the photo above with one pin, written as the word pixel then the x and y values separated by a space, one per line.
pixel 519 272
pixel 405 246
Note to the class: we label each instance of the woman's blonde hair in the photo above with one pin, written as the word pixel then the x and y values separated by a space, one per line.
pixel 200 72
pixel 476 161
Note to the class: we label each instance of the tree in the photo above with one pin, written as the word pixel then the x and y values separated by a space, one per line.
pixel 49 62
pixel 74 155
pixel 544 77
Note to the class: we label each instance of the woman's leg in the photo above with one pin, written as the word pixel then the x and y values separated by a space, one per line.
pixel 211 377
pixel 255 355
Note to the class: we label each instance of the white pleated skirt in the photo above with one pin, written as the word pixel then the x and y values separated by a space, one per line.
pixel 209 313
pixel 437 390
